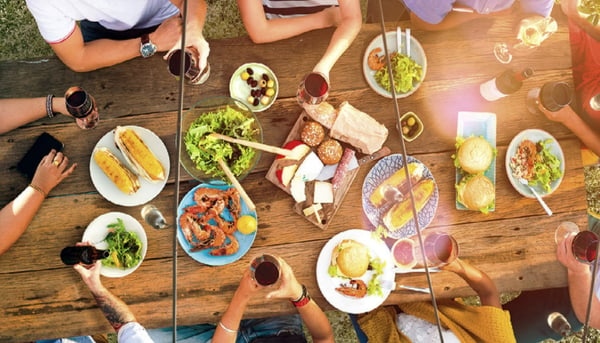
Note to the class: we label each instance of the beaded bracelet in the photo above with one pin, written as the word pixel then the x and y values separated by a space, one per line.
pixel 226 328
pixel 37 188
pixel 49 111
pixel 303 300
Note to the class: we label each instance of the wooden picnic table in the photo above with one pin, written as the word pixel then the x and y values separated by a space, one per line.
pixel 42 298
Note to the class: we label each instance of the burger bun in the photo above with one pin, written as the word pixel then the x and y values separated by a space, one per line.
pixel 475 155
pixel 476 192
pixel 351 259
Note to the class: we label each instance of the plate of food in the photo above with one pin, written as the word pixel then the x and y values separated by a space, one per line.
pixel 226 116
pixel 537 157
pixel 129 165
pixel 255 84
pixel 355 272
pixel 409 72
pixel 475 161
pixel 214 225
pixel 386 200
pixel 125 239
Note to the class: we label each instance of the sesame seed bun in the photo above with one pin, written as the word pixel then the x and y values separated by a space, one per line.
pixel 475 155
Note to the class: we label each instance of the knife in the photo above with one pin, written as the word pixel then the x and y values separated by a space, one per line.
pixel 374 156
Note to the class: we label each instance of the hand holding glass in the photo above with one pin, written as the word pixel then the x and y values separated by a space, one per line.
pixel 532 32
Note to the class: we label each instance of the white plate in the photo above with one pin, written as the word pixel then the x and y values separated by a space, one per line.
pixel 97 231
pixel 328 284
pixel 416 53
pixel 535 136
pixel 239 89
pixel 477 124
pixel 148 190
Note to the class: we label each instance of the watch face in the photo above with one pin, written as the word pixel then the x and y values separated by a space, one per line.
pixel 148 49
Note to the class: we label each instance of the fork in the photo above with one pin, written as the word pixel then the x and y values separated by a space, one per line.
pixel 407 42
pixel 539 198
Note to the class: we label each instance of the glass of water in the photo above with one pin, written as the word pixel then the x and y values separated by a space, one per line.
pixel 154 217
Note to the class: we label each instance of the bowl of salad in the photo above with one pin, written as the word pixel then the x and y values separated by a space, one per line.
pixel 409 69
pixel 535 156
pixel 200 151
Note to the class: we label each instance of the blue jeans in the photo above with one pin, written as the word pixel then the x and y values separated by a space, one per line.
pixel 249 330
pixel 92 30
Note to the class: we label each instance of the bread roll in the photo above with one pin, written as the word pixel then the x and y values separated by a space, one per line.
pixel 475 155
pixel 476 192
pixel 330 151
pixel 312 133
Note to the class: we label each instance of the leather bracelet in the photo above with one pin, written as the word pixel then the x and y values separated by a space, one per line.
pixel 37 188
pixel 303 300
pixel 49 111
pixel 226 328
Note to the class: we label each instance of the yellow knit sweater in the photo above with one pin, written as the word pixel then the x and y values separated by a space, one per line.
pixel 468 323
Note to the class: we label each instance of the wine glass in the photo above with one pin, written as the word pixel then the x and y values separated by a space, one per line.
pixel 595 102
pixel 313 89
pixel 564 230
pixel 154 217
pixel 440 249
pixel 585 246
pixel 532 32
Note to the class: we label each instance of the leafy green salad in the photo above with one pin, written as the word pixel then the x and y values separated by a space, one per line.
pixel 546 168
pixel 125 247
pixel 405 71
pixel 374 285
pixel 204 151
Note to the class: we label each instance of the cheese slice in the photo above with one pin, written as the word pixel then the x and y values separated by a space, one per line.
pixel 310 168
pixel 298 188
pixel 323 192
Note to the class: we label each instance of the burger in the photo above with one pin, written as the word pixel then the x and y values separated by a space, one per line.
pixel 476 192
pixel 349 259
pixel 474 154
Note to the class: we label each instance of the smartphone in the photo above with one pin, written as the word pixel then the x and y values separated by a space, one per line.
pixel 42 146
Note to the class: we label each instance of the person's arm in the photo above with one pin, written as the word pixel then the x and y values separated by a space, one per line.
pixel 18 214
pixel 478 280
pixel 195 24
pixel 114 309
pixel 573 122
pixel 262 30
pixel 454 18
pixel 580 279
pixel 227 329
pixel 343 36
pixel 313 317
pixel 83 56
pixel 18 112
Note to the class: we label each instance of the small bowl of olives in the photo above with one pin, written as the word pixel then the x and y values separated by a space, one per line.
pixel 412 126
pixel 255 85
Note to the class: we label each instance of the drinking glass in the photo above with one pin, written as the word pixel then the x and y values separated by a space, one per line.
pixel 82 105
pixel 595 102
pixel 154 217
pixel 584 246
pixel 559 324
pixel 265 270
pixel 440 249
pixel 313 89
pixel 564 230
pixel 532 32
pixel 191 69
pixel 552 96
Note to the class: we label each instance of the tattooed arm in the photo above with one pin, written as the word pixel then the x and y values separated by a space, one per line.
pixel 115 310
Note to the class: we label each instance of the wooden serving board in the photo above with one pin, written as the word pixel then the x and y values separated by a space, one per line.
pixel 328 210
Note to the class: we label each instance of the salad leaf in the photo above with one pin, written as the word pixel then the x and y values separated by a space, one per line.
pixel 204 151
pixel 405 71
pixel 546 168
pixel 125 247
pixel 374 285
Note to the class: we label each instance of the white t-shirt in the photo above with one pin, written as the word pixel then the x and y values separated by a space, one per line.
pixel 133 332
pixel 294 8
pixel 56 19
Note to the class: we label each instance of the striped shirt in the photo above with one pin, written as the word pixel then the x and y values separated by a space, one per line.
pixel 294 8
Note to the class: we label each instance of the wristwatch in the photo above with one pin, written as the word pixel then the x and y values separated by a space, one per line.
pixel 147 48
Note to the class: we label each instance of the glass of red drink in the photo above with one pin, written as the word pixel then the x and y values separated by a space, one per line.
pixel 265 270
pixel 191 68
pixel 81 105
pixel 440 248
pixel 585 246
pixel 313 89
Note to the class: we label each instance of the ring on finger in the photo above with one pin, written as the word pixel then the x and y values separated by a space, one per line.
pixel 56 162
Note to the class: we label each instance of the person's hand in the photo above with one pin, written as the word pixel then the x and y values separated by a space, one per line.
pixel 196 40
pixel 560 116
pixel 90 274
pixel 52 170
pixel 167 33
pixel 457 266
pixel 290 287
pixel 248 287
pixel 564 254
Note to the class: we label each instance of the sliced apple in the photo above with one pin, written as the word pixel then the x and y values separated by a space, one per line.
pixel 286 173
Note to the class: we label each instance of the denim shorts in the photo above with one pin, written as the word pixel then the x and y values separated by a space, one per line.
pixel 92 30
pixel 250 329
